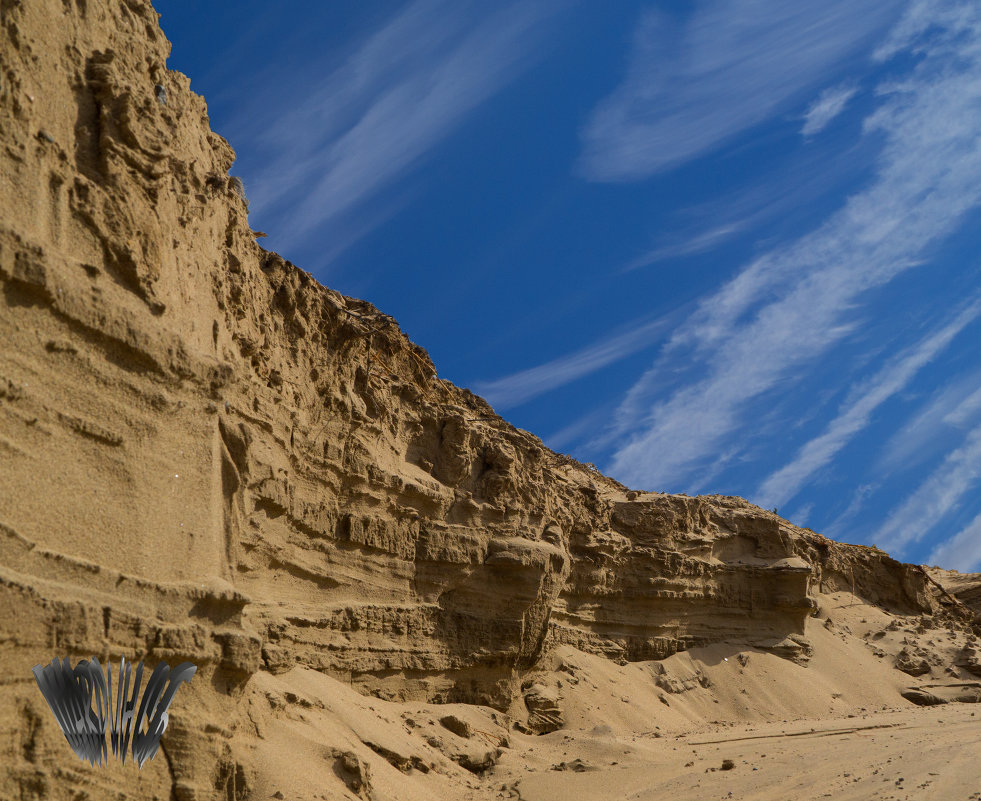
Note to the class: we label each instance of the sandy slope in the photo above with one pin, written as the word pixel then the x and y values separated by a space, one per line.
pixel 836 727
pixel 923 753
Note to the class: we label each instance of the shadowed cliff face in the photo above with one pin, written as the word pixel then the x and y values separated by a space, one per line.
pixel 966 587
pixel 208 456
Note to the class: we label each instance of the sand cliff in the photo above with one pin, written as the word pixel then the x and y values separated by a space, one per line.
pixel 206 455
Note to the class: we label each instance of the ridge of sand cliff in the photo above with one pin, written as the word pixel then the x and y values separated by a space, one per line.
pixel 207 455
pixel 966 587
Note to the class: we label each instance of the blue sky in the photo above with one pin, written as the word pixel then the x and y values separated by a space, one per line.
pixel 711 247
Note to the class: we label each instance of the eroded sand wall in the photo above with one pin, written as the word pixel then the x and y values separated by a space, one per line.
pixel 206 455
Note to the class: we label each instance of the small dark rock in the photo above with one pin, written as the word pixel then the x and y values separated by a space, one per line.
pixel 478 761
pixel 457 725
pixel 922 697
pixel 544 712
pixel 576 766
pixel 911 663
pixel 354 772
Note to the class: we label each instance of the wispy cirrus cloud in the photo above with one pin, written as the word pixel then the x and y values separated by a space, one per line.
pixel 791 305
pixel 856 413
pixel 935 498
pixel 829 104
pixel 955 406
pixel 707 226
pixel 701 242
pixel 860 496
pixel 579 429
pixel 370 119
pixel 692 85
pixel 520 387
pixel 962 551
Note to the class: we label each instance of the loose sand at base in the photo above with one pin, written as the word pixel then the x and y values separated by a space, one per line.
pixel 927 753
pixel 834 725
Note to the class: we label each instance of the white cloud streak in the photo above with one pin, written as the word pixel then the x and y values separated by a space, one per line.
pixel 702 242
pixel 830 103
pixel 579 429
pixel 730 67
pixel 962 551
pixel 798 186
pixel 782 485
pixel 409 85
pixel 790 306
pixel 934 498
pixel 520 387
pixel 860 495
pixel 955 406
